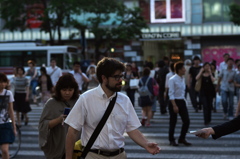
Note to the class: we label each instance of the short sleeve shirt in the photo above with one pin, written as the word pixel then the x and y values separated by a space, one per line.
pixel 88 111
pixel 4 102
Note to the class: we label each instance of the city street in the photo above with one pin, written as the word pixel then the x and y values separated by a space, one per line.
pixel 227 147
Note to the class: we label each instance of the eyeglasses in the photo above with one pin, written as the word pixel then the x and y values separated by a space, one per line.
pixel 117 77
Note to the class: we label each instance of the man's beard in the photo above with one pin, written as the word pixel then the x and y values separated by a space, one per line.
pixel 114 89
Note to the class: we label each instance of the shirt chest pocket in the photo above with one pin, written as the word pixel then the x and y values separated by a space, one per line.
pixel 119 122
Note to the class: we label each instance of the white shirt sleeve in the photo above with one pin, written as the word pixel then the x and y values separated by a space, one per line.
pixel 76 117
pixel 171 89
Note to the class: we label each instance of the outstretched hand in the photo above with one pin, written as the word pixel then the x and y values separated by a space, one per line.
pixel 204 133
pixel 153 148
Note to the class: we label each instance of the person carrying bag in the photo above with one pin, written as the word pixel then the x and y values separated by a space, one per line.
pixel 81 154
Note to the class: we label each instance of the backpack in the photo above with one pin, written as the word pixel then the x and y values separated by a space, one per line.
pixel 143 90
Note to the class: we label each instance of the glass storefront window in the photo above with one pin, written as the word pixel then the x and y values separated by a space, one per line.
pixel 216 10
pixel 167 11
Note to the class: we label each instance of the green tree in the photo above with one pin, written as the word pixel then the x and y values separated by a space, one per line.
pixel 108 21
pixel 234 13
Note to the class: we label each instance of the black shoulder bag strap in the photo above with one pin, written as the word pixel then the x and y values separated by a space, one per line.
pixel 5 94
pixel 99 127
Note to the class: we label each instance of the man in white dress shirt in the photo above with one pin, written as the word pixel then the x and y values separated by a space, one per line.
pixel 54 72
pixel 79 76
pixel 177 105
pixel 90 108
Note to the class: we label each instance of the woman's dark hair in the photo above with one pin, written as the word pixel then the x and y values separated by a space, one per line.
pixel 66 81
pixel 146 71
pixel 107 67
pixel 20 67
pixel 43 69
pixel 3 77
pixel 149 64
pixel 178 66
pixel 206 63
pixel 214 65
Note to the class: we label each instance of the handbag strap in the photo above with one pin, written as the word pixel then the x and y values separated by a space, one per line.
pixel 99 127
pixel 5 94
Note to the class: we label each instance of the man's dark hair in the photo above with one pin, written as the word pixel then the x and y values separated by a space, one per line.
pixel 107 67
pixel 178 66
pixel 53 59
pixel 76 63
pixel 230 59
pixel 196 58
pixel 172 67
pixel 226 54
pixel 146 71
pixel 161 63
pixel 66 81
pixel 3 78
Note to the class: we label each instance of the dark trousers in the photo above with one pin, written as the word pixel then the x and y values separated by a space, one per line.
pixel 162 102
pixel 207 107
pixel 131 95
pixel 183 112
pixel 193 96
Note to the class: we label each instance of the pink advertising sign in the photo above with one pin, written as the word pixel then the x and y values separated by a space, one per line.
pixel 216 53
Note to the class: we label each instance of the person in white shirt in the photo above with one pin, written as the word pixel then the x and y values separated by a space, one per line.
pixel 223 65
pixel 177 105
pixel 54 72
pixel 90 108
pixel 79 76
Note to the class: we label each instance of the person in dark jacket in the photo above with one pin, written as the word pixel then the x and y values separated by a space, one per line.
pixel 45 84
pixel 160 77
pixel 220 130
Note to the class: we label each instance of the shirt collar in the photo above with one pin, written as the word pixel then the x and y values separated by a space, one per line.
pixel 102 94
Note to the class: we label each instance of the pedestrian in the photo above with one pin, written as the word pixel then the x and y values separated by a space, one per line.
pixel 207 91
pixel 45 84
pixel 32 72
pixel 52 130
pixel 6 111
pixel 187 65
pixel 193 72
pixel 92 76
pixel 54 72
pixel 226 79
pixel 128 75
pixel 237 86
pixel 152 75
pixel 220 130
pixel 223 65
pixel 79 76
pixel 160 77
pixel 216 98
pixel 87 112
pixel 177 105
pixel 21 104
pixel 146 100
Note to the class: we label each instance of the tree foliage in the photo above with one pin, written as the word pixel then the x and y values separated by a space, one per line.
pixel 234 13
pixel 123 23
pixel 107 19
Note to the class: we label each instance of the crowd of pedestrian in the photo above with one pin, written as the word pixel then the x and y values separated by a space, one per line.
pixel 168 84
